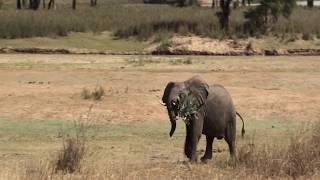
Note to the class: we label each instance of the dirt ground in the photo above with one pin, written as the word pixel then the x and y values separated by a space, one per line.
pixel 47 88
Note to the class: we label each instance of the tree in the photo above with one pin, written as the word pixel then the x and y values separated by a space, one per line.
pixel 51 4
pixel 248 2
pixel 263 17
pixel 224 14
pixel 310 3
pixel 18 4
pixel 24 3
pixel 34 4
pixel 74 4
pixel 93 3
pixel 215 3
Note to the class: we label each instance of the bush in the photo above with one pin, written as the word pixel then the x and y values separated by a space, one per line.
pixel 85 94
pixel 262 18
pixel 73 151
pixel 96 94
pixel 70 157
pixel 307 36
pixel 164 46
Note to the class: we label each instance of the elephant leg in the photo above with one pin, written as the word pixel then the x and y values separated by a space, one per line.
pixel 208 154
pixel 194 130
pixel 230 138
pixel 187 144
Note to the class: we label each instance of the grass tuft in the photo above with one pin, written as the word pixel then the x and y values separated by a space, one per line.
pixel 73 151
pixel 96 94
pixel 301 158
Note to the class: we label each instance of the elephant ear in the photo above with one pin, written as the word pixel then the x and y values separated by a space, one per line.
pixel 198 91
pixel 166 94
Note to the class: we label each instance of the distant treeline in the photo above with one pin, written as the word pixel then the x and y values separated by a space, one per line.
pixel 144 21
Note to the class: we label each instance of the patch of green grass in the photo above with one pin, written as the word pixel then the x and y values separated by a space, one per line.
pixel 99 41
pixel 46 130
pixel 143 60
pixel 177 61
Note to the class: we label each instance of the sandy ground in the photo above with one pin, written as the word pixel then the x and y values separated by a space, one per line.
pixel 133 140
pixel 49 86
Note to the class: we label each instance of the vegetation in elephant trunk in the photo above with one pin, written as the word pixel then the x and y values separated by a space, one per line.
pixel 188 106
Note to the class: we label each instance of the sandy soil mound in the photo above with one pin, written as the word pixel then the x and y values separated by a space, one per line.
pixel 182 45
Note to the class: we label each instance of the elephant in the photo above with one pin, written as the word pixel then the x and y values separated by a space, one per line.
pixel 211 112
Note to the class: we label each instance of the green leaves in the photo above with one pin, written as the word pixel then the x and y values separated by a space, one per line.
pixel 188 106
pixel 263 17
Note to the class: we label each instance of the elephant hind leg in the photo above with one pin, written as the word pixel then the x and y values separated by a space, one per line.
pixel 208 154
pixel 230 138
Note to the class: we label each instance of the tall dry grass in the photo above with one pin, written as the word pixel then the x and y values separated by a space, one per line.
pixel 300 159
pixel 142 21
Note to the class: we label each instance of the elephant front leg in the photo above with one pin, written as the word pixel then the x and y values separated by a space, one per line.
pixel 188 143
pixel 208 154
pixel 194 143
pixel 193 135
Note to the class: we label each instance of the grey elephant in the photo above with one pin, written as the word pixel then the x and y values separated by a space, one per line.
pixel 206 110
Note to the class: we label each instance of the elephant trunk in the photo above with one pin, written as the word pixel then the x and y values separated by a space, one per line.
pixel 172 117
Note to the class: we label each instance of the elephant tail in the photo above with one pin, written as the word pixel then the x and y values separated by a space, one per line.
pixel 242 131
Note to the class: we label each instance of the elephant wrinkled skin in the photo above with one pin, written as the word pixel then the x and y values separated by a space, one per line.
pixel 211 112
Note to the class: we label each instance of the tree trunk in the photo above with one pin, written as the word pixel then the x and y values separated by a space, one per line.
pixel 213 5
pixel 34 4
pixel 24 3
pixel 243 3
pixel 310 3
pixel 74 4
pixel 43 4
pixel 93 3
pixel 191 3
pixel 224 15
pixel 51 4
pixel 18 4
pixel 249 2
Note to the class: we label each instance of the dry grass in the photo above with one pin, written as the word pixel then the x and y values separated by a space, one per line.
pixel 97 94
pixel 300 159
pixel 132 142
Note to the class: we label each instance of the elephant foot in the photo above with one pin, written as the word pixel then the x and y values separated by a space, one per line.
pixel 194 159
pixel 205 159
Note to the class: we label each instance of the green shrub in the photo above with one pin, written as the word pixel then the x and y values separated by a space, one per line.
pixel 164 45
pixel 262 18
pixel 307 36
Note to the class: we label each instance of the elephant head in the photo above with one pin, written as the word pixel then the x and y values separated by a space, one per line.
pixel 172 94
